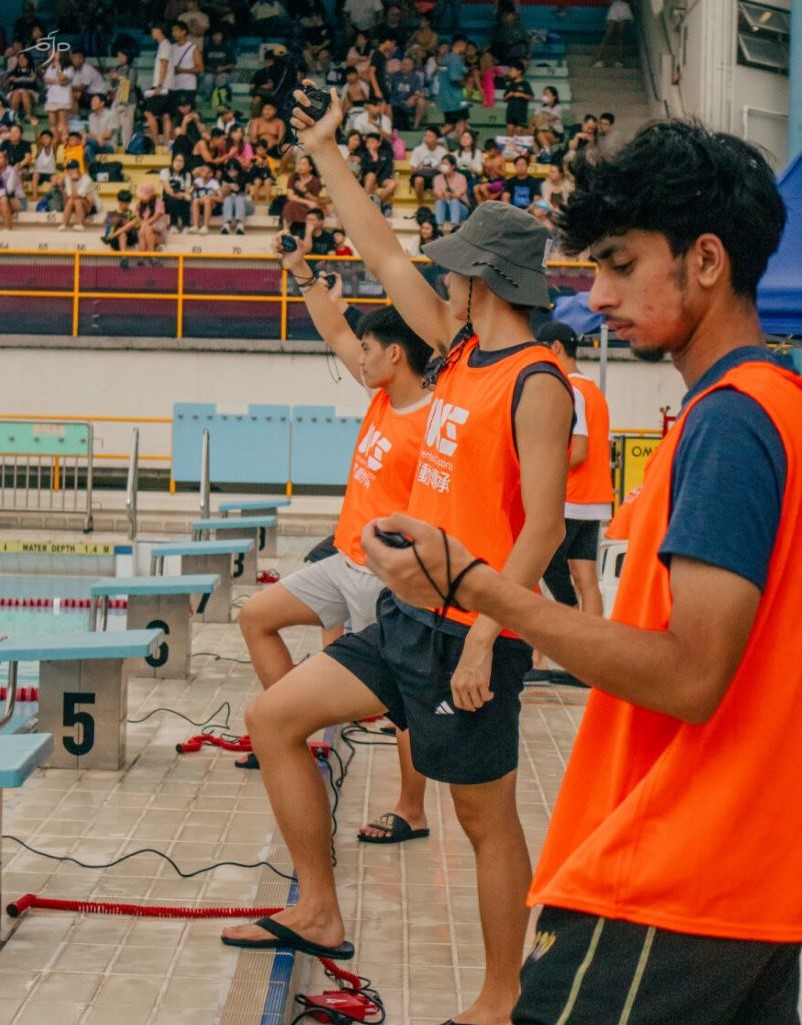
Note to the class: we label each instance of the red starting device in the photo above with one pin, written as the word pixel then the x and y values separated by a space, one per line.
pixel 341 1005
pixel 268 576
pixel 239 744
pixel 319 748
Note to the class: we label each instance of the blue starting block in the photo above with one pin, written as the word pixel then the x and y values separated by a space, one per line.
pixel 161 603
pixel 215 557
pixel 258 507
pixel 255 527
pixel 83 691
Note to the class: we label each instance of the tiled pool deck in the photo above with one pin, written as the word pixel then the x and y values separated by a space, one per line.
pixel 410 909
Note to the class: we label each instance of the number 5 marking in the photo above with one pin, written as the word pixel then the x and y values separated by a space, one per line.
pixel 83 719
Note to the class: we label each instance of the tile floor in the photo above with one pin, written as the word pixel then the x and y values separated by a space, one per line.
pixel 410 910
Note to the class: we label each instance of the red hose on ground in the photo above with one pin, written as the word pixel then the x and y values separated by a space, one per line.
pixel 94 907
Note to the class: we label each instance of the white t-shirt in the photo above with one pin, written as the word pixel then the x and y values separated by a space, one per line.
pixel 422 156
pixel 90 77
pixel 363 13
pixel 363 124
pixel 178 181
pixel 576 510
pixel 164 53
pixel 58 96
pixel 208 187
pixel 103 122
pixel 45 162
pixel 469 160
pixel 10 182
pixel 83 187
pixel 184 57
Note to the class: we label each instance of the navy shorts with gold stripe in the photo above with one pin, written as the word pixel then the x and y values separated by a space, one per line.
pixel 586 970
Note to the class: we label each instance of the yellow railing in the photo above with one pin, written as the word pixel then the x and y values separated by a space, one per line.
pixel 181 295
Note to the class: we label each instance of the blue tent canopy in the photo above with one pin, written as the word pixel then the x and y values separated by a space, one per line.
pixel 779 296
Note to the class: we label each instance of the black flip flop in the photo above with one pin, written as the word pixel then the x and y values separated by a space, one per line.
pixel 396 829
pixel 250 761
pixel 289 938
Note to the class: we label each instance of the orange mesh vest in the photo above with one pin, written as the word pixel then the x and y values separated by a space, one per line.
pixel 468 479
pixel 696 829
pixel 591 481
pixel 382 469
pixel 620 526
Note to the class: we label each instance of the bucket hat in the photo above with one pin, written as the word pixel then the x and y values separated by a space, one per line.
pixel 505 247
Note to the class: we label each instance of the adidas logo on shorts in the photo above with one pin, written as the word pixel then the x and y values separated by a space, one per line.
pixel 444 709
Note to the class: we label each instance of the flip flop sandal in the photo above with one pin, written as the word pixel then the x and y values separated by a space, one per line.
pixel 285 937
pixel 250 761
pixel 396 830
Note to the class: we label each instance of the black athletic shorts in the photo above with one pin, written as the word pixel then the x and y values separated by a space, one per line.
pixel 581 541
pixel 586 970
pixel 408 666
pixel 157 105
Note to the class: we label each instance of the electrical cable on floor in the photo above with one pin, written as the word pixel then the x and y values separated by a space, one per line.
pixel 221 658
pixel 148 850
pixel 207 724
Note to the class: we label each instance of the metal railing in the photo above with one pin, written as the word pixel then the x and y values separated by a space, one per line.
pixel 180 295
pixel 113 457
pixel 47 465
pixel 11 694
pixel 132 485
pixel 205 478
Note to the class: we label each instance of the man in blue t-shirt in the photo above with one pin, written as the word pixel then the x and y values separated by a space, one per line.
pixel 681 224
pixel 451 95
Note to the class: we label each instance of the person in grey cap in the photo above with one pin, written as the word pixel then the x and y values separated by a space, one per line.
pixel 491 470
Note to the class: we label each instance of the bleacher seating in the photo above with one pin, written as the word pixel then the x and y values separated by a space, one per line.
pixel 551 27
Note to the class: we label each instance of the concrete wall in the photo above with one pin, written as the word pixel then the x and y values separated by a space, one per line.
pixel 81 382
pixel 696 68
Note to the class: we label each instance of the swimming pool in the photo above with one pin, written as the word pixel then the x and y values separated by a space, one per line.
pixel 66 612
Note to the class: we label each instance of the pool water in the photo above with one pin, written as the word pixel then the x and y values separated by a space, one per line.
pixel 52 620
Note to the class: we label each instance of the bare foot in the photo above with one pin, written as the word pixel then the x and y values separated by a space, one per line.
pixel 482 1013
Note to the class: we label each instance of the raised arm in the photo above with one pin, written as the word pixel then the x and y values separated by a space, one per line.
pixel 416 301
pixel 325 311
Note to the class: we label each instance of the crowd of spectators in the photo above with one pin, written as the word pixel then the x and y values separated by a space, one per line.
pixel 391 63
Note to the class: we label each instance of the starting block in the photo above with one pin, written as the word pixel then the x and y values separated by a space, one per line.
pixel 161 603
pixel 208 557
pixel 83 691
pixel 258 507
pixel 255 527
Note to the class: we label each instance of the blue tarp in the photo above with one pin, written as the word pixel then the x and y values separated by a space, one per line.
pixel 779 296
pixel 574 310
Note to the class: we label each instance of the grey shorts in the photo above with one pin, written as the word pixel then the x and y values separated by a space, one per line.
pixel 336 591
